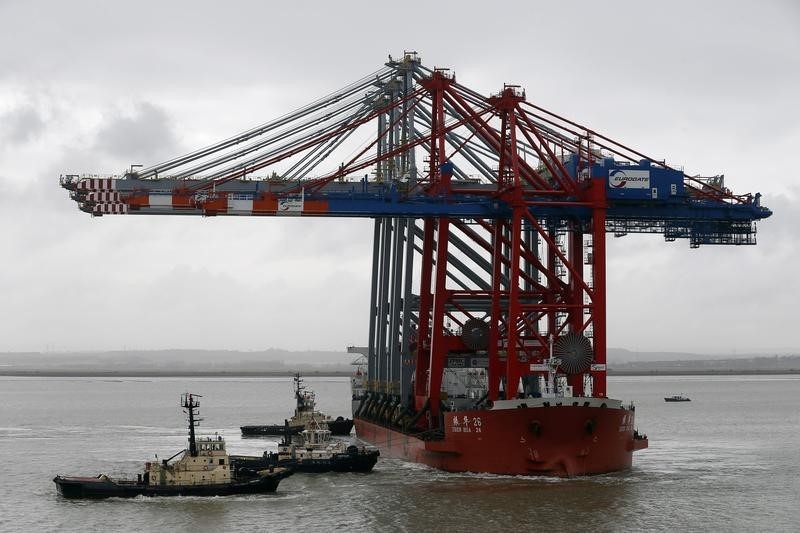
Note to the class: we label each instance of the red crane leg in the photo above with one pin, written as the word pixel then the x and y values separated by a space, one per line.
pixel 576 298
pixel 425 302
pixel 495 367
pixel 439 347
pixel 599 289
pixel 513 365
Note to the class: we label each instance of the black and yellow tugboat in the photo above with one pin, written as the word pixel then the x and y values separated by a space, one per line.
pixel 304 411
pixel 204 469
pixel 313 450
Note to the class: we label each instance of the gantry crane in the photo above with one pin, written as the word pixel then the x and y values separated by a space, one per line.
pixel 490 217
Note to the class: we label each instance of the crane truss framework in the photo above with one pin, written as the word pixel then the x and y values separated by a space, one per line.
pixel 490 216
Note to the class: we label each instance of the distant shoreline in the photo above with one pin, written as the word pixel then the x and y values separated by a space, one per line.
pixel 336 374
pixel 701 372
pixel 166 374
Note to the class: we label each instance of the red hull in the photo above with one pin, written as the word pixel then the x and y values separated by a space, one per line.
pixel 561 440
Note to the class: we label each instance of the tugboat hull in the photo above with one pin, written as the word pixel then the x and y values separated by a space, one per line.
pixel 341 427
pixel 357 461
pixel 522 437
pixel 270 430
pixel 105 487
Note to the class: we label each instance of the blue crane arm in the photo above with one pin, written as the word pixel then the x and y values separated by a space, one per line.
pixel 666 205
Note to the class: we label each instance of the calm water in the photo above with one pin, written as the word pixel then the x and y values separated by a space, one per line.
pixel 727 461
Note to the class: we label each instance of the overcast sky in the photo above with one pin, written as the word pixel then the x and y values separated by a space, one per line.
pixel 97 86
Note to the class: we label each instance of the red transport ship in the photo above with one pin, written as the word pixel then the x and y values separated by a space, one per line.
pixel 552 434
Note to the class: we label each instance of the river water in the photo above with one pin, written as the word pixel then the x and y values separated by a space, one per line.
pixel 726 461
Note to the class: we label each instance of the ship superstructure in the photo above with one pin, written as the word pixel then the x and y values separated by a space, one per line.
pixel 486 344
pixel 204 461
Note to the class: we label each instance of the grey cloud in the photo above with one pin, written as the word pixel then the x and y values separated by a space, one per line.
pixel 711 86
pixel 144 135
pixel 21 125
pixel 783 227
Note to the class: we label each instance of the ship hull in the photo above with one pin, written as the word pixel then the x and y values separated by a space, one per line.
pixel 524 438
pixel 103 487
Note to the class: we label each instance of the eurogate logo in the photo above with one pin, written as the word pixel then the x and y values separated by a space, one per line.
pixel 629 179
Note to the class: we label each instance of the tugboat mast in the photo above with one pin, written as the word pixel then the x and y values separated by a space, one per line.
pixel 298 389
pixel 191 405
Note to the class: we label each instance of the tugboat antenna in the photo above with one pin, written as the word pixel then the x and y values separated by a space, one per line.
pixel 191 404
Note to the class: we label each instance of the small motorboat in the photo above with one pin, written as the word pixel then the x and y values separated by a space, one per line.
pixel 677 398
pixel 204 469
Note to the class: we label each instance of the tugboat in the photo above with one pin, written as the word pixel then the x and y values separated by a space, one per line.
pixel 204 469
pixel 304 412
pixel 312 450
pixel 677 398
